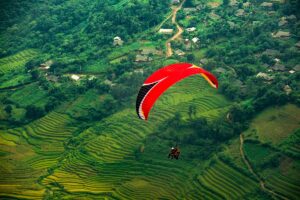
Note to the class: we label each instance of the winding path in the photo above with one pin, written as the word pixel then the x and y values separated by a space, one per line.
pixel 261 182
pixel 169 51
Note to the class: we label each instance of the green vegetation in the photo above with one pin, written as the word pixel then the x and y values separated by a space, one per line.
pixel 17 61
pixel 227 182
pixel 275 124
pixel 68 127
pixel 275 156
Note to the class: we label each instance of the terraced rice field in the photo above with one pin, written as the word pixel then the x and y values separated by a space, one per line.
pixel 291 145
pixel 287 186
pixel 29 152
pixel 197 93
pixel 83 103
pixel 227 182
pixel 51 158
pixel 17 61
pixel 14 80
pixel 233 151
pixel 32 94
pixel 105 160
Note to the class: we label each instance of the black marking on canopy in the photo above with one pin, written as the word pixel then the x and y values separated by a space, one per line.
pixel 142 93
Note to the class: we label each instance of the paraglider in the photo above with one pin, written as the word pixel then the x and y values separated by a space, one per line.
pixel 158 82
pixel 174 153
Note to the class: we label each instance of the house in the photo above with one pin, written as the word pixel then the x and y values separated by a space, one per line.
pixel 287 89
pixel 204 61
pixel 75 77
pixel 190 10
pixel 291 17
pixel 264 76
pixel 213 4
pixel 220 70
pixel 256 23
pixel 266 5
pixel 179 52
pixel 148 51
pixel 246 4
pixel 282 21
pixel 214 16
pixel 191 29
pixel 141 71
pixel 233 2
pixel 45 66
pixel 52 78
pixel 200 6
pixel 297 68
pixel 92 78
pixel 277 60
pixel 175 1
pixel 278 1
pixel 195 40
pixel 278 67
pixel 118 41
pixel 240 12
pixel 142 58
pixel 292 71
pixel 281 34
pixel 108 82
pixel 271 52
pixel 165 31
pixel 187 44
pixel 271 12
pixel 231 24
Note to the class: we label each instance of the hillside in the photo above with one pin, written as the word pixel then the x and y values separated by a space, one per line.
pixel 70 72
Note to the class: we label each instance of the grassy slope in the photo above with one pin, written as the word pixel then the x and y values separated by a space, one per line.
pixel 275 124
pixel 14 80
pixel 31 95
pixel 276 127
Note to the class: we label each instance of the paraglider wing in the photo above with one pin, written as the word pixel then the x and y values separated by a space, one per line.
pixel 158 82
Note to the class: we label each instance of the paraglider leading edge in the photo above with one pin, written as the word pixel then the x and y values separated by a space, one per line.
pixel 159 81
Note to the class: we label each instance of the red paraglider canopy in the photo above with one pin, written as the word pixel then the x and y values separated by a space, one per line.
pixel 162 79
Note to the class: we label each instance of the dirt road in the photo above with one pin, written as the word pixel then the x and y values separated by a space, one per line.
pixel 169 51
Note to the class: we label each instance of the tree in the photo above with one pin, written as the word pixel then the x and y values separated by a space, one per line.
pixel 33 112
pixel 225 2
pixel 190 57
pixel 8 109
pixel 175 121
pixel 35 74
pixel 31 64
pixel 51 104
pixel 192 111
pixel 189 3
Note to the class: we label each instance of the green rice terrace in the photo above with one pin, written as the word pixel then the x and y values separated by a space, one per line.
pixel 108 161
pixel 71 72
